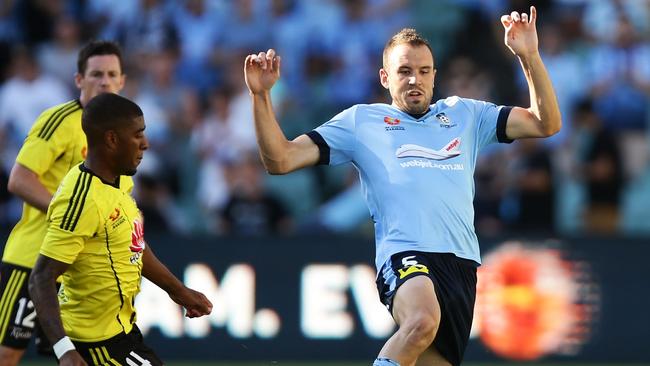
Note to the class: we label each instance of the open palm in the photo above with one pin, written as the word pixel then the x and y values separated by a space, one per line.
pixel 261 71
pixel 520 32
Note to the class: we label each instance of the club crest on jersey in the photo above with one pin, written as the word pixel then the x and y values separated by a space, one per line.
pixel 137 241
pixel 445 122
pixel 393 124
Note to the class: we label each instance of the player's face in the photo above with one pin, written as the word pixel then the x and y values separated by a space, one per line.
pixel 133 143
pixel 103 75
pixel 409 77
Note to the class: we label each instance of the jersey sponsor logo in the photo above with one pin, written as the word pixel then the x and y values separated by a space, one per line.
pixel 137 241
pixel 420 163
pixel 20 333
pixel 451 150
pixel 445 121
pixel 137 237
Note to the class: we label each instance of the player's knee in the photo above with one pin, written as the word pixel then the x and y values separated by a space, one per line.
pixel 420 329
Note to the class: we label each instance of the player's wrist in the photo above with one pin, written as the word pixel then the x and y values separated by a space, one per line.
pixel 529 55
pixel 62 346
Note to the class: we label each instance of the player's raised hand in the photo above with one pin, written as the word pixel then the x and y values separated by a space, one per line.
pixel 520 32
pixel 261 71
pixel 194 302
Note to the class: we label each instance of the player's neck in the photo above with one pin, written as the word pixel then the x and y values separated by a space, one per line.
pixel 103 171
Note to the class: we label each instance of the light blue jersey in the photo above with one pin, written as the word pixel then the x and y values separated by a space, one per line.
pixel 416 174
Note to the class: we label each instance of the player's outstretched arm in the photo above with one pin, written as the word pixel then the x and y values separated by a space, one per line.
pixel 279 155
pixel 42 289
pixel 542 118
pixel 24 183
pixel 194 302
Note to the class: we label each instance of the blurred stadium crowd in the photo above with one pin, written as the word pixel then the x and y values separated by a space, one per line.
pixel 184 63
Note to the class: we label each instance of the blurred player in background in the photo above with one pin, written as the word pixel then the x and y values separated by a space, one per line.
pixel 95 239
pixel 54 144
pixel 416 164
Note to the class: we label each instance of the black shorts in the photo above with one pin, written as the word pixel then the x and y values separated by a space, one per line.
pixel 454 281
pixel 123 349
pixel 18 322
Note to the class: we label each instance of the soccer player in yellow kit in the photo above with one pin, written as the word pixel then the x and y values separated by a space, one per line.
pixel 54 144
pixel 95 239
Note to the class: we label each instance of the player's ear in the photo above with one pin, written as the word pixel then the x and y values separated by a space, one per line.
pixel 383 77
pixel 77 80
pixel 122 82
pixel 111 140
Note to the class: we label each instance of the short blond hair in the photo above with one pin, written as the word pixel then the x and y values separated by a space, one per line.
pixel 407 35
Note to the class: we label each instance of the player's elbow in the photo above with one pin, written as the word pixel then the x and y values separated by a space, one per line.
pixel 36 278
pixel 13 185
pixel 276 167
pixel 553 126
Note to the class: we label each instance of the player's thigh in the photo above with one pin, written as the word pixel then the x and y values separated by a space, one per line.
pixel 415 300
pixel 17 313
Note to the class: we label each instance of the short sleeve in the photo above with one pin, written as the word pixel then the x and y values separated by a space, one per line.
pixel 491 122
pixel 338 138
pixel 72 220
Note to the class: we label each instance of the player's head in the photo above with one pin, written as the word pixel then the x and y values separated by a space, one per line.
pixel 114 127
pixel 408 71
pixel 99 69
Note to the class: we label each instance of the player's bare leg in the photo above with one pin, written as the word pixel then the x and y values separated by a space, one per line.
pixel 431 357
pixel 10 356
pixel 417 312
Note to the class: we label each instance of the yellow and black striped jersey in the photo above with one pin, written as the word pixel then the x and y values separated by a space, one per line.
pixel 55 144
pixel 96 227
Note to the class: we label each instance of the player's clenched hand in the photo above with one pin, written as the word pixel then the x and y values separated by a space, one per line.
pixel 520 32
pixel 261 71
pixel 194 302
pixel 72 358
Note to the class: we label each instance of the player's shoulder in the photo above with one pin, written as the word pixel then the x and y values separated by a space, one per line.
pixel 366 111
pixel 62 109
pixel 456 102
pixel 75 180
pixel 53 118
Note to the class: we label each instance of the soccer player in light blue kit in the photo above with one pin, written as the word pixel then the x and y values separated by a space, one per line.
pixel 416 163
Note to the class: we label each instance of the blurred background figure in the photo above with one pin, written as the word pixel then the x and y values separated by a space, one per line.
pixel 529 205
pixel 601 166
pixel 251 209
